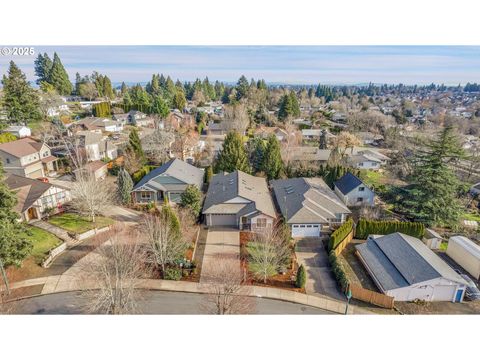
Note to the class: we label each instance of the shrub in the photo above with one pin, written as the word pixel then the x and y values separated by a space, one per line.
pixel 338 271
pixel 340 234
pixel 191 198
pixel 173 274
pixel 301 278
pixel 368 227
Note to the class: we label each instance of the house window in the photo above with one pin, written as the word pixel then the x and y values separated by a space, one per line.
pixel 361 188
pixel 60 195
pixel 360 199
pixel 261 223
pixel 360 164
pixel 145 195
pixel 8 161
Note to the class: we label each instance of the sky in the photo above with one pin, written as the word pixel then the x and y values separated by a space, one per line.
pixel 420 65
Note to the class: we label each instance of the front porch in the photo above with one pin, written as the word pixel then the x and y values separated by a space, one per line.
pixel 145 197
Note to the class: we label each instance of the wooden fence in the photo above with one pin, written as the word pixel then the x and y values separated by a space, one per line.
pixel 371 297
pixel 344 243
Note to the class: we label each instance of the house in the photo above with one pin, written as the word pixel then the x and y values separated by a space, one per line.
pixel 19 131
pixel 369 138
pixel 97 169
pixel 121 118
pixel 239 200
pixel 403 267
pixel 28 157
pixel 466 253
pixel 167 181
pixel 265 132
pixel 308 205
pixel 135 116
pixel 37 198
pixel 310 154
pixel 177 119
pixel 366 159
pixel 101 124
pixel 432 239
pixel 96 146
pixel 353 192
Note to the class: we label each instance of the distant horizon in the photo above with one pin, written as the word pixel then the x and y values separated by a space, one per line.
pixel 277 65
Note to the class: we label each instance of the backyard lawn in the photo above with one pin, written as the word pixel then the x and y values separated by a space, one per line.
pixel 471 216
pixel 77 223
pixel 43 242
pixel 372 178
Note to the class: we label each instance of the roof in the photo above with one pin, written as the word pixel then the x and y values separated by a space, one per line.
pixel 28 190
pixel 310 153
pixel 16 128
pixel 467 244
pixel 21 147
pixel 177 169
pixel 347 183
pixel 89 137
pixel 225 187
pixel 95 165
pixel 307 200
pixel 398 260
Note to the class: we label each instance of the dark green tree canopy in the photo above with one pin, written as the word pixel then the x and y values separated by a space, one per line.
pixel 58 77
pixel 233 155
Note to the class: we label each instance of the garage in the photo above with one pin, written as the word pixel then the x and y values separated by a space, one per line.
pixel 35 174
pixel 221 220
pixel 306 230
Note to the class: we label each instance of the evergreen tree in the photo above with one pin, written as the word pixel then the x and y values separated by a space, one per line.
pixel 323 140
pixel 14 246
pixel 19 100
pixel 256 150
pixel 208 174
pixel 124 186
pixel 58 77
pixel 191 198
pixel 289 106
pixel 43 66
pixel 233 155
pixel 135 145
pixel 124 88
pixel 301 277
pixel 432 196
pixel 242 87
pixel 272 161
pixel 160 107
pixel 179 102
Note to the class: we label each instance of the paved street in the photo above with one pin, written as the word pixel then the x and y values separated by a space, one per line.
pixel 221 241
pixel 312 255
pixel 153 302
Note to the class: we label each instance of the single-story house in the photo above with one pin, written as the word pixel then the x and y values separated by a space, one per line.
pixel 403 267
pixel 35 197
pixel 310 154
pixel 19 131
pixel 239 200
pixel 134 116
pixel 168 181
pixel 353 192
pixel 98 169
pixel 99 124
pixel 369 138
pixel 308 205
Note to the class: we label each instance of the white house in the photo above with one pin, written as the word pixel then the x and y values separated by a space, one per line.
pixel 19 131
pixel 353 192
pixel 466 253
pixel 403 267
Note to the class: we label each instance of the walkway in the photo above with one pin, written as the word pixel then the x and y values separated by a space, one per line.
pixel 320 279
pixel 55 230
pixel 221 242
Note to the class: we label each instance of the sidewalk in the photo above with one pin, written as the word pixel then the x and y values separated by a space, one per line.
pixel 55 230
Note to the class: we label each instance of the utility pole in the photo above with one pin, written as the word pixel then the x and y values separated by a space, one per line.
pixel 4 275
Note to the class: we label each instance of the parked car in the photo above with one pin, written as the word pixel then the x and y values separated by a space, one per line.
pixel 43 179
pixel 472 292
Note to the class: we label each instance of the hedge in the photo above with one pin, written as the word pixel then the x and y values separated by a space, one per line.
pixel 137 176
pixel 368 227
pixel 301 278
pixel 340 234
pixel 338 271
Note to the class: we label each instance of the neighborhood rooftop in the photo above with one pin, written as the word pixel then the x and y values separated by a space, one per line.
pixel 347 183
pixel 21 147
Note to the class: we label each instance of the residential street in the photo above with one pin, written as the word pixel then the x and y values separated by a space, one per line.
pixel 153 302
pixel 312 255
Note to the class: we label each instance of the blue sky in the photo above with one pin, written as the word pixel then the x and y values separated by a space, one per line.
pixel 276 64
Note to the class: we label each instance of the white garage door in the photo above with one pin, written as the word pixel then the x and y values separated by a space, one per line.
pixel 306 230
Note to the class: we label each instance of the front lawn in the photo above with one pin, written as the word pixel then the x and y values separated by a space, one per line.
pixel 77 223
pixel 42 241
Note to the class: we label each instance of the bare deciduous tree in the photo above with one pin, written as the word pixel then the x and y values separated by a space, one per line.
pixel 185 141
pixel 114 269
pixel 236 118
pixel 269 252
pixel 165 244
pixel 131 161
pixel 156 146
pixel 225 295
pixel 91 197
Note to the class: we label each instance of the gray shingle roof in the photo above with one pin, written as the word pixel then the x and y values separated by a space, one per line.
pixel 307 200
pixel 398 260
pixel 225 187
pixel 347 183
pixel 177 169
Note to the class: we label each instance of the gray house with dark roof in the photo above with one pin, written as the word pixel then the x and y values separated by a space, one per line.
pixel 353 192
pixel 308 205
pixel 167 181
pixel 239 200
pixel 403 267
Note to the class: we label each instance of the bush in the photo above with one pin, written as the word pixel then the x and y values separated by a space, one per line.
pixel 191 198
pixel 137 176
pixel 340 234
pixel 173 274
pixel 338 271
pixel 368 227
pixel 301 278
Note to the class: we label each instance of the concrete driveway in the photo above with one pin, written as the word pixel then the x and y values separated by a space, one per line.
pixel 320 279
pixel 221 242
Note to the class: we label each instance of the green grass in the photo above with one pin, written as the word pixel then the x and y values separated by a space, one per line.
pixel 471 216
pixel 42 241
pixel 78 224
pixel 444 245
pixel 372 178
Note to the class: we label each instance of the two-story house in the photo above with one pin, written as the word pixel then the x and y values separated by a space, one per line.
pixel 28 157
pixel 353 191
